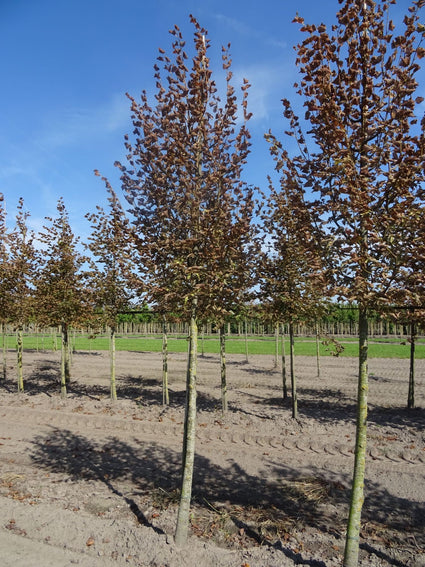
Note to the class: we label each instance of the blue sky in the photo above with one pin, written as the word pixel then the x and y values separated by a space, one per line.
pixel 66 65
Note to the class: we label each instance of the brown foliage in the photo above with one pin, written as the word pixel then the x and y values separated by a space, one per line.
pixel 192 212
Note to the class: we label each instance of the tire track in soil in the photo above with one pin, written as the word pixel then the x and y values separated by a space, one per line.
pixel 171 434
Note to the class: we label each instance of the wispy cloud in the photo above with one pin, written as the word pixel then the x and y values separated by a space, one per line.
pixel 244 29
pixel 58 158
pixel 236 25
pixel 268 86
pixel 79 125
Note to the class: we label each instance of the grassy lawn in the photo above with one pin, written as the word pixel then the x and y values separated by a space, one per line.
pixel 378 348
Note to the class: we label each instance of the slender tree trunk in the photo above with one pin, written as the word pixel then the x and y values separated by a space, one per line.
pixel 63 360
pixel 182 527
pixel 165 395
pixel 67 362
pixel 19 351
pixel 411 396
pixel 284 386
pixel 223 369
pixel 112 358
pixel 276 345
pixel 317 348
pixel 203 341
pixel 293 380
pixel 246 340
pixel 357 491
pixel 3 329
pixel 70 349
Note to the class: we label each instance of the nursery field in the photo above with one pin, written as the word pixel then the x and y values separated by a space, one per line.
pixel 89 482
pixel 394 347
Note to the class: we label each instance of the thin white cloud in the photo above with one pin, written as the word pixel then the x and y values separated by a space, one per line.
pixel 268 84
pixel 244 29
pixel 77 125
pixel 236 25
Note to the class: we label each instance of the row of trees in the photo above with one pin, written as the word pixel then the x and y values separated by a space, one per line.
pixel 345 221
pixel 49 281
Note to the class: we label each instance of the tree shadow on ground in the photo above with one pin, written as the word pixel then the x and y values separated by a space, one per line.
pixel 261 371
pixel 43 378
pixel 332 406
pixel 237 363
pixel 88 352
pixel 151 467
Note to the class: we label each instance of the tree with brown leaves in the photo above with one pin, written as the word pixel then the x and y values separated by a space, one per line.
pixel 61 296
pixel 111 245
pixel 292 283
pixel 192 212
pixel 19 281
pixel 409 295
pixel 4 259
pixel 364 164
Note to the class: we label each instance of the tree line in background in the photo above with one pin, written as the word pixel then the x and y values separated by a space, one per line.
pixel 343 223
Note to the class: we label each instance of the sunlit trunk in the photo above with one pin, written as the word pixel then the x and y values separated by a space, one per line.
pixel 276 345
pixel 3 328
pixel 411 395
pixel 246 340
pixel 317 349
pixel 357 491
pixel 64 345
pixel 223 368
pixel 165 395
pixel 19 351
pixel 182 527
pixel 292 370
pixel 67 361
pixel 284 386
pixel 112 357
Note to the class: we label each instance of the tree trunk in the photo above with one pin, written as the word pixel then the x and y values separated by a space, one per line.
pixel 112 358
pixel 317 349
pixel 189 435
pixel 276 345
pixel 284 386
pixel 223 369
pixel 19 350
pixel 293 380
pixel 203 341
pixel 411 395
pixel 63 360
pixel 165 395
pixel 357 491
pixel 246 340
pixel 65 343
pixel 3 328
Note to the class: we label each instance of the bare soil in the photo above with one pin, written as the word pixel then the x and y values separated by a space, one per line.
pixel 88 482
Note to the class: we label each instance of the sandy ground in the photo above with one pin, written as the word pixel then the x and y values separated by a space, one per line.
pixel 87 482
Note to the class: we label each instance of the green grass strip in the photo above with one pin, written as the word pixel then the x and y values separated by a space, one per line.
pixel 262 345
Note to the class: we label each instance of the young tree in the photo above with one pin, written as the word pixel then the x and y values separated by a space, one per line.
pixel 192 212
pixel 62 298
pixel 292 284
pixel 410 292
pixel 4 259
pixel 110 244
pixel 365 166
pixel 19 281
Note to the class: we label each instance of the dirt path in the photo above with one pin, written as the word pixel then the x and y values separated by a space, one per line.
pixel 88 482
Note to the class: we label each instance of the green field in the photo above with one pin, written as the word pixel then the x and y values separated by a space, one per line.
pixel 382 348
